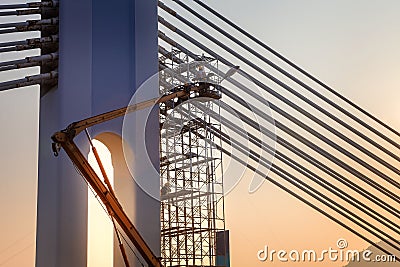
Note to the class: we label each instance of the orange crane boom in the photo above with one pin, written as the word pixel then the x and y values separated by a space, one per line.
pixel 64 139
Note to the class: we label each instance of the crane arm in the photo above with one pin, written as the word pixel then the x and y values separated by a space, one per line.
pixel 64 139
pixel 76 127
pixel 109 200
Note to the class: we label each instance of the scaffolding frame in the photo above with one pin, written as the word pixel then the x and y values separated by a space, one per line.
pixel 192 196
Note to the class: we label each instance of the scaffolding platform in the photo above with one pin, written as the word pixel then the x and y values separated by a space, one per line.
pixel 192 199
pixel 183 195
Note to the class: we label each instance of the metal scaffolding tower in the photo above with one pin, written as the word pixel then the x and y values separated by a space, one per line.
pixel 192 200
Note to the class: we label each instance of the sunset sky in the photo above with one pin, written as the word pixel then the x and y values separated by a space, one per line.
pixel 353 46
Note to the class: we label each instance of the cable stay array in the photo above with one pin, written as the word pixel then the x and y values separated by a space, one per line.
pixel 331 150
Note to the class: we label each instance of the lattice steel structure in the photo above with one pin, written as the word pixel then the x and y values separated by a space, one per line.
pixel 192 201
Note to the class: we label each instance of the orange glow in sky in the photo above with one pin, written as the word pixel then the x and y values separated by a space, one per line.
pixel 100 229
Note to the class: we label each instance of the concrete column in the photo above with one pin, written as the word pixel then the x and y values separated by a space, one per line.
pixel 62 195
pixel 107 49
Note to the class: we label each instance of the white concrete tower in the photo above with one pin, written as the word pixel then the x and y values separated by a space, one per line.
pixel 107 49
